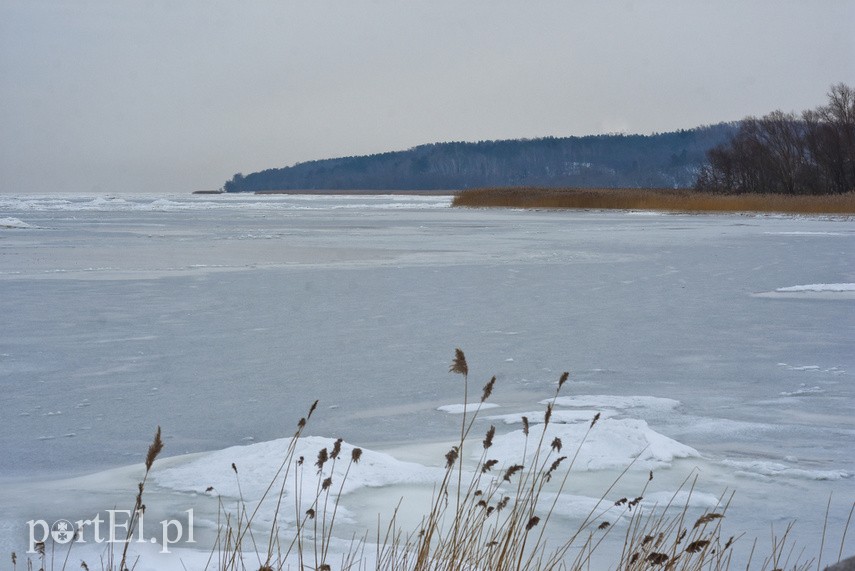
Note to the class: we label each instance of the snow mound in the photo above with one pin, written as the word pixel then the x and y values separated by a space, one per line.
pixel 467 408
pixel 258 463
pixel 611 444
pixel 818 287
pixel 13 223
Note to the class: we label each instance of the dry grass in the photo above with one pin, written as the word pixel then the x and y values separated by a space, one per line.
pixel 485 516
pixel 668 200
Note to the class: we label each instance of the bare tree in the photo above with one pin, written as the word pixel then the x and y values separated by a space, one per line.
pixel 786 154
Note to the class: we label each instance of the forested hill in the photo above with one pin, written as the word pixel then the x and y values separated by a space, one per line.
pixel 605 161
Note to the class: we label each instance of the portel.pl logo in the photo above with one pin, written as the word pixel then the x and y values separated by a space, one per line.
pixel 113 528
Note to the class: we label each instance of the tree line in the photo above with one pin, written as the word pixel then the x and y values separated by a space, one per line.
pixel 786 153
pixel 779 153
pixel 671 159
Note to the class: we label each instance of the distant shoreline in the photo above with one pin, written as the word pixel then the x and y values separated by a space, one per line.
pixel 358 192
pixel 335 192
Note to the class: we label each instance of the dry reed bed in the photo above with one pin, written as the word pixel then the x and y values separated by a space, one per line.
pixel 670 200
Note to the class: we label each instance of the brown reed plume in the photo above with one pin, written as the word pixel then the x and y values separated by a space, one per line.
pixel 153 450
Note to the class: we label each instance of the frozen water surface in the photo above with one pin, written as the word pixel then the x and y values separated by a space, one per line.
pixel 222 318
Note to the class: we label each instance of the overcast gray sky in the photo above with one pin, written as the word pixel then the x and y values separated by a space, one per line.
pixel 174 96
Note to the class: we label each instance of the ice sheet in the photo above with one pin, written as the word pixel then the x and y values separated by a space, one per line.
pixel 222 317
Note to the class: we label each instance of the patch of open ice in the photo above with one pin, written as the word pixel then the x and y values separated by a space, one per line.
pixel 818 287
pixel 616 402
pixel 13 223
pixel 461 408
pixel 611 444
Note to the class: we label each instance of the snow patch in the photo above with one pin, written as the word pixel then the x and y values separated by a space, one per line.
pixel 13 223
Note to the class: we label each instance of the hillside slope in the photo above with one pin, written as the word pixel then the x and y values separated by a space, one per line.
pixel 605 161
